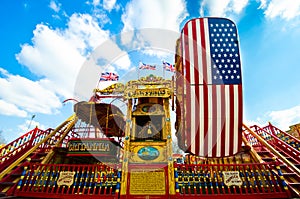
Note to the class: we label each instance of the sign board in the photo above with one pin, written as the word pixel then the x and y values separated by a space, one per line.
pixel 92 146
pixel 145 182
pixel 232 178
pixel 66 178
pixel 149 92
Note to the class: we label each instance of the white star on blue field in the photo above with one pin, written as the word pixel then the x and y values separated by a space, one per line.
pixel 45 45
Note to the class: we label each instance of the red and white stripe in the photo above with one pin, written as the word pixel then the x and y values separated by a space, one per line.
pixel 212 114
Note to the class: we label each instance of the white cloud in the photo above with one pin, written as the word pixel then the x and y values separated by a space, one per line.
pixel 4 72
pixel 84 30
pixel 96 2
pixel 223 8
pixel 57 57
pixel 287 9
pixel 280 118
pixel 159 43
pixel 20 95
pixel 285 118
pixel 108 57
pixel 146 22
pixel 111 54
pixel 215 7
pixel 238 5
pixel 166 14
pixel 122 61
pixel 159 53
pixel 263 4
pixel 100 10
pixel 29 125
pixel 258 121
pixel 55 6
pixel 109 4
pixel 11 109
pixel 58 54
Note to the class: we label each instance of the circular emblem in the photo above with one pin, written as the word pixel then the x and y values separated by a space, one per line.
pixel 148 153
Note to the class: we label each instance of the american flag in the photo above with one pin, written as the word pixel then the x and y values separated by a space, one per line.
pixel 168 66
pixel 107 76
pixel 211 105
pixel 147 66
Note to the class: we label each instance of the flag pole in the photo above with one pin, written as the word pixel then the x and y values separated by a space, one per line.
pixel 98 83
pixel 163 69
pixel 33 116
pixel 138 73
pixel 95 90
pixel 139 70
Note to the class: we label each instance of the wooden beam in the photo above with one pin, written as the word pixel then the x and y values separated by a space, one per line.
pixel 69 127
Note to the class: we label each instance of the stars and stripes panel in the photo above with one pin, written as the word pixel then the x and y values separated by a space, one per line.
pixel 211 109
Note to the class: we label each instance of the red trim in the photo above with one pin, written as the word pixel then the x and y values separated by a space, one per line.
pixel 64 196
pixel 20 146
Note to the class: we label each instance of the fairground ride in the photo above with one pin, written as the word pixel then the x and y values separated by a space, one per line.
pixel 102 152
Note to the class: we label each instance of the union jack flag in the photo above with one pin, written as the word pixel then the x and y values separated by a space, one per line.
pixel 147 66
pixel 168 66
pixel 107 76
pixel 210 87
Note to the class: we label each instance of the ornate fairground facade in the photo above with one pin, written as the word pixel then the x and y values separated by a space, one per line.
pixel 120 143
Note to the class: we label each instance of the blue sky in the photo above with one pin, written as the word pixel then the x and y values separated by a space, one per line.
pixel 47 47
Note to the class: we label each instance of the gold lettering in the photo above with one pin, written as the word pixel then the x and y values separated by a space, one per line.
pixel 94 148
pixel 157 92
pixel 76 148
pixel 71 147
pixel 83 146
